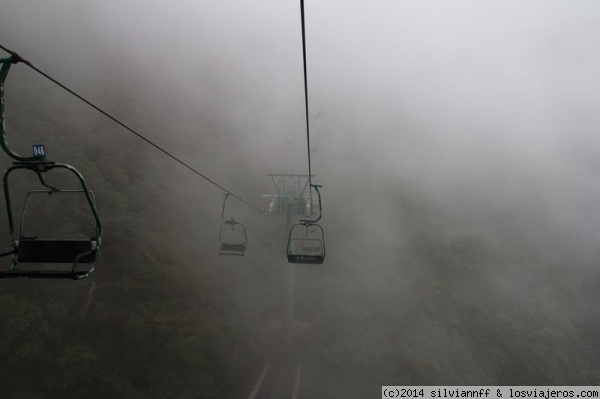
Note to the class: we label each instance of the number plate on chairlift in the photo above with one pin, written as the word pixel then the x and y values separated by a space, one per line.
pixel 39 151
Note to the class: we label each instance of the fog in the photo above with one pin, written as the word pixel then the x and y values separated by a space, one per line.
pixel 456 144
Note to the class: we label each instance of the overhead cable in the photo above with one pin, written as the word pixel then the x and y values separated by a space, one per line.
pixel 18 58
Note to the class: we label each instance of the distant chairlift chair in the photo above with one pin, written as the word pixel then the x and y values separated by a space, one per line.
pixel 306 242
pixel 232 238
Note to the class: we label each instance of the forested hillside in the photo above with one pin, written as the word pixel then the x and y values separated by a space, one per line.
pixel 459 198
pixel 420 295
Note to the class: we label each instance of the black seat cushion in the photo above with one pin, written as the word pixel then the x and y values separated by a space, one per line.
pixel 306 259
pixel 233 247
pixel 55 251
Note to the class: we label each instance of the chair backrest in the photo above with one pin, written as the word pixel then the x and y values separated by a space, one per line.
pixel 305 246
pixel 310 245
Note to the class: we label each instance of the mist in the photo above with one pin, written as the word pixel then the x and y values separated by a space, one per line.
pixel 456 144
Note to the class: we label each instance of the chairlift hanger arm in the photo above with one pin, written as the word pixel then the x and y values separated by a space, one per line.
pixel 224 201
pixel 308 221
pixel 6 63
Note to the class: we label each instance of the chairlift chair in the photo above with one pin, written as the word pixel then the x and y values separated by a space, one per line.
pixel 30 249
pixel 306 242
pixel 33 250
pixel 232 238
pixel 232 234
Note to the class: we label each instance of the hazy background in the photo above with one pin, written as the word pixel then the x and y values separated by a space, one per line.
pixel 457 149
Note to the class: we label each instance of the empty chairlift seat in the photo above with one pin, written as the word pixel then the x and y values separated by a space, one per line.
pixel 55 251
pixel 29 249
pixel 232 238
pixel 306 244
pixel 77 256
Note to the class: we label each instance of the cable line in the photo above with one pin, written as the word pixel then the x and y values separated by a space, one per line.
pixel 18 58
pixel 306 91
pixel 306 241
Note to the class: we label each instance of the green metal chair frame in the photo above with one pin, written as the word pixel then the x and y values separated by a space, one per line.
pixel 232 248
pixel 295 256
pixel 32 249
